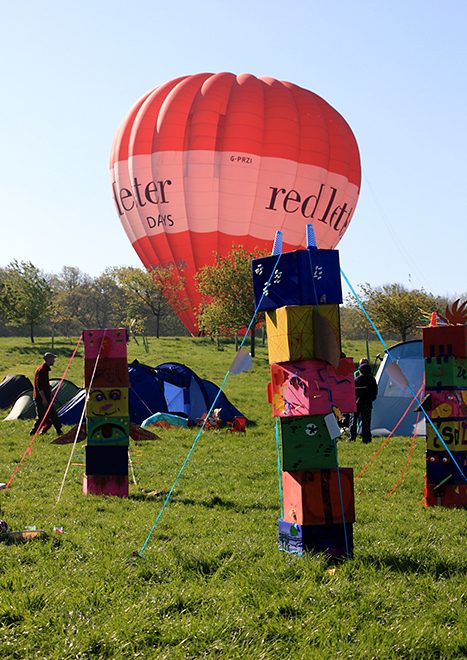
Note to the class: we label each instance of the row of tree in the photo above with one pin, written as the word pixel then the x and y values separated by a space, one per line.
pixel 148 302
pixel 36 302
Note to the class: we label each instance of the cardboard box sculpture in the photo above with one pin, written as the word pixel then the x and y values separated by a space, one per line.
pixel 301 292
pixel 453 433
pixel 313 497
pixel 106 484
pixel 304 332
pixel 105 460
pixel 440 467
pixel 446 373
pixel 446 404
pixel 445 350
pixel 445 341
pixel 302 277
pixel 451 496
pixel 306 388
pixel 107 419
pixel 306 443
pixel 105 402
pixel 108 431
pixel 105 343
pixel 106 372
pixel 332 540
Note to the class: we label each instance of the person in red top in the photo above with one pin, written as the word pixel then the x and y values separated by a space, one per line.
pixel 42 395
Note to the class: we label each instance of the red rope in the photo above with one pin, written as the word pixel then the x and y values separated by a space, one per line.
pixel 386 440
pixel 88 390
pixel 409 457
pixel 38 430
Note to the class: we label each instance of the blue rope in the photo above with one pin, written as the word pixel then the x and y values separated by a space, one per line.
pixel 279 469
pixel 341 497
pixel 414 394
pixel 339 482
pixel 310 250
pixel 195 442
pixel 311 247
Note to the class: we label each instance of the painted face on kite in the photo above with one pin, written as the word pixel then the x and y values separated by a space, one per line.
pixel 108 430
pixel 208 161
pixel 107 402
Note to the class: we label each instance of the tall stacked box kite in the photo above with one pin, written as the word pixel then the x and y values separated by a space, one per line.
pixel 107 420
pixel 445 353
pixel 300 293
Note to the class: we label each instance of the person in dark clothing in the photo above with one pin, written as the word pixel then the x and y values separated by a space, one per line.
pixel 366 390
pixel 42 395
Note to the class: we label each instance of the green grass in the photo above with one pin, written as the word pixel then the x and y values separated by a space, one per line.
pixel 212 583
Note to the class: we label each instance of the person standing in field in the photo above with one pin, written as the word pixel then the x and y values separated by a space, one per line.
pixel 366 390
pixel 42 396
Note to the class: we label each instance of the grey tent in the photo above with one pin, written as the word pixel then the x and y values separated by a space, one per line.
pixel 397 377
pixel 11 388
pixel 24 405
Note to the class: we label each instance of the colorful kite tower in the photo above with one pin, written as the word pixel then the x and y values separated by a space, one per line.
pixel 300 292
pixel 107 420
pixel 445 353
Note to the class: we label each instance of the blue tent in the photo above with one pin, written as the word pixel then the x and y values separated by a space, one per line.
pixel 190 395
pixel 397 378
pixel 170 387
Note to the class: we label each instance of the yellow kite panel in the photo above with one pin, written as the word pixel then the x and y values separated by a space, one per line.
pixel 291 331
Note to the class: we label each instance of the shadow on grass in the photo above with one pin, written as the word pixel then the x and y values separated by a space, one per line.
pixel 403 563
pixel 38 350
pixel 211 503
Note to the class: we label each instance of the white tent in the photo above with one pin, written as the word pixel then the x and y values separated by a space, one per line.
pixel 397 375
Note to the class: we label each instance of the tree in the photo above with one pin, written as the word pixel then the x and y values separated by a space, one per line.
pixel 106 302
pixel 397 310
pixel 81 301
pixel 72 295
pixel 227 286
pixel 25 295
pixel 354 324
pixel 159 291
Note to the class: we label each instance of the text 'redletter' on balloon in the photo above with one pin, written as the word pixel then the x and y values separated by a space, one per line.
pixel 208 161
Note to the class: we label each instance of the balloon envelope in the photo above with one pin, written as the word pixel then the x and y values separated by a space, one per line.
pixel 208 161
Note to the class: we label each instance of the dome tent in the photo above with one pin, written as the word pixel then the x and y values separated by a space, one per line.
pixel 187 393
pixel 24 408
pixel 398 376
pixel 170 387
pixel 11 388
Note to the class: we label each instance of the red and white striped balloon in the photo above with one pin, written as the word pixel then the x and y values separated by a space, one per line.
pixel 208 161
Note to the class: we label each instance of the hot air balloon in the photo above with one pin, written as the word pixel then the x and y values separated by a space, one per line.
pixel 208 161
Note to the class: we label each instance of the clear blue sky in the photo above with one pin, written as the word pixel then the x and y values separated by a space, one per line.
pixel 395 69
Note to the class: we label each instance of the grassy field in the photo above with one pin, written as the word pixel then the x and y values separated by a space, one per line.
pixel 212 583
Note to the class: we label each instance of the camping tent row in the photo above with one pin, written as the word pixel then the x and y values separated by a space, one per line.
pixel 174 388
pixel 16 391
pixel 168 388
